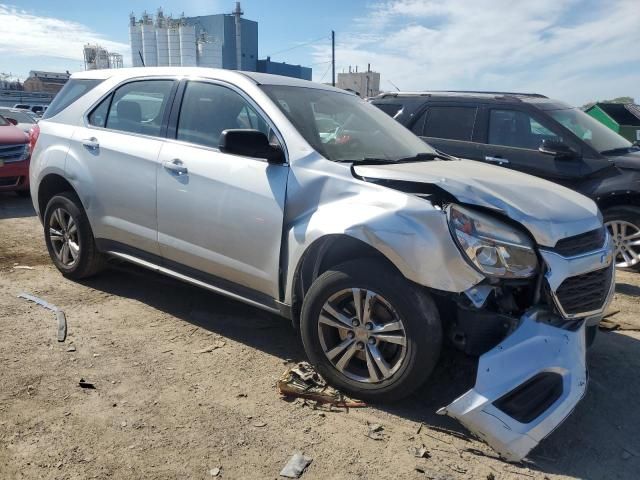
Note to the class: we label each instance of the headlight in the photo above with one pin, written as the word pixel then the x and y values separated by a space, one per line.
pixel 494 247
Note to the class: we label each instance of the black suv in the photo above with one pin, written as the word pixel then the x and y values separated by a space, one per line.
pixel 536 135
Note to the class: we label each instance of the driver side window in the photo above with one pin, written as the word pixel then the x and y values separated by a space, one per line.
pixel 512 128
pixel 209 109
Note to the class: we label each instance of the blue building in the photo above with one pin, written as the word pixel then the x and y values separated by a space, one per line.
pixel 222 27
pixel 285 69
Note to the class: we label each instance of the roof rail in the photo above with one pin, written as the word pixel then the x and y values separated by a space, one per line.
pixel 469 92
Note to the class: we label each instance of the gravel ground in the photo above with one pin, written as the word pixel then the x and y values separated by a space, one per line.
pixel 160 409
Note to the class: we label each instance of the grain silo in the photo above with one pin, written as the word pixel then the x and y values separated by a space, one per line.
pixel 135 40
pixel 149 42
pixel 187 45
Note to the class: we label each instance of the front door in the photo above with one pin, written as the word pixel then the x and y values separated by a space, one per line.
pixel 220 214
pixel 513 139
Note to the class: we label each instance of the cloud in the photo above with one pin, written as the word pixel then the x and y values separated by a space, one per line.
pixel 576 50
pixel 27 35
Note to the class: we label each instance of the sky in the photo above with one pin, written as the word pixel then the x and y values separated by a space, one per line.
pixel 572 50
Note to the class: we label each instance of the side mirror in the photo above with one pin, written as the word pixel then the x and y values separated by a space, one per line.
pixel 250 143
pixel 12 121
pixel 558 149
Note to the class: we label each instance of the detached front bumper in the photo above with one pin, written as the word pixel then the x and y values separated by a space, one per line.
pixel 525 386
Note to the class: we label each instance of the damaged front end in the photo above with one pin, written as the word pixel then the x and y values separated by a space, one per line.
pixel 535 375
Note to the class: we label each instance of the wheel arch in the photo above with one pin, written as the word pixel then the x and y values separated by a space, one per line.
pixel 618 199
pixel 323 254
pixel 51 185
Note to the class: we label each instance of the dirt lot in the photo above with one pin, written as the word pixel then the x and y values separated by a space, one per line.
pixel 161 410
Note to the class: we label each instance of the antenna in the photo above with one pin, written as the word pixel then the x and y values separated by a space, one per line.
pixel 395 86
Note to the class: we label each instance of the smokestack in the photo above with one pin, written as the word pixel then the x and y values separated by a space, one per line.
pixel 238 13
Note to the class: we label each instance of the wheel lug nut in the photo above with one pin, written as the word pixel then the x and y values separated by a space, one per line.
pixel 372 341
pixel 369 326
pixel 351 334
pixel 355 322
pixel 360 346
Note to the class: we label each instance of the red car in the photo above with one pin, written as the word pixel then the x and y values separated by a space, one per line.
pixel 15 153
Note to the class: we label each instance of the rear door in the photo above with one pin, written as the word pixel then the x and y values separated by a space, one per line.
pixel 449 127
pixel 220 214
pixel 118 148
pixel 513 137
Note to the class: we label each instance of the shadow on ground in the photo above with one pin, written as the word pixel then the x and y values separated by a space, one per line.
pixel 626 289
pixel 14 206
pixel 599 440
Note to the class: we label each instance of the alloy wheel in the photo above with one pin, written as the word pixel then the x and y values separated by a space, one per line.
pixel 63 234
pixel 626 239
pixel 362 335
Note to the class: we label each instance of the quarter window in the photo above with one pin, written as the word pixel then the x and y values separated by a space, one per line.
pixel 137 107
pixel 98 117
pixel 208 109
pixel 512 128
pixel 452 123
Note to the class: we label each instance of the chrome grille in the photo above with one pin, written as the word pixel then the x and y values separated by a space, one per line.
pixel 585 293
pixel 14 153
pixel 579 244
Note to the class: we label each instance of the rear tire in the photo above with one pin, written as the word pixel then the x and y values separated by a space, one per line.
pixel 69 238
pixel 623 223
pixel 373 364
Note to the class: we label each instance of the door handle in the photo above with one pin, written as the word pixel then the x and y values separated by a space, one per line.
pixel 91 143
pixel 176 166
pixel 498 160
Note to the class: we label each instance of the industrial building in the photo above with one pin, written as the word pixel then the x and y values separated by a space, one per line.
pixel 97 58
pixel 286 69
pixel 365 84
pixel 46 82
pixel 217 41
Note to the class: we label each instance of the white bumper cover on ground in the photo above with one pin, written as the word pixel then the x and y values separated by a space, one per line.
pixel 533 348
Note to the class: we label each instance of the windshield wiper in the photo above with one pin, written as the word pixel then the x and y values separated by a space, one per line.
pixel 613 151
pixel 420 157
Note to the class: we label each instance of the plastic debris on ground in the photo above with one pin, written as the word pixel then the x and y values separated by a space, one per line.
pixel 302 381
pixel 375 431
pixel 296 465
pixel 60 316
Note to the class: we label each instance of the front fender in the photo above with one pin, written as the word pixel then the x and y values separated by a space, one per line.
pixel 407 230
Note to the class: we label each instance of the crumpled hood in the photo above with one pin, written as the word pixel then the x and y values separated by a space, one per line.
pixel 549 211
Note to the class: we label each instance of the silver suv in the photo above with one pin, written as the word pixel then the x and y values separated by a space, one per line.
pixel 308 202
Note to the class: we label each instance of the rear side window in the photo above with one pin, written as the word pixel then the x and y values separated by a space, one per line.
pixel 72 91
pixel 391 109
pixel 208 109
pixel 137 107
pixel 453 123
pixel 512 128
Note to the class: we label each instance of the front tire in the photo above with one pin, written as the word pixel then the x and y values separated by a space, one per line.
pixel 623 223
pixel 370 332
pixel 69 238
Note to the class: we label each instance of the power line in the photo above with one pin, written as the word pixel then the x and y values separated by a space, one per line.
pixel 324 37
pixel 325 72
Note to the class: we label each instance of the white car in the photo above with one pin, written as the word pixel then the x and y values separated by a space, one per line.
pixel 371 242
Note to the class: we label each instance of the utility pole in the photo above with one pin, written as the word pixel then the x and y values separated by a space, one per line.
pixel 333 58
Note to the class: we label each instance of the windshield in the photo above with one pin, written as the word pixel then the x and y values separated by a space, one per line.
pixel 19 116
pixel 343 127
pixel 590 130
